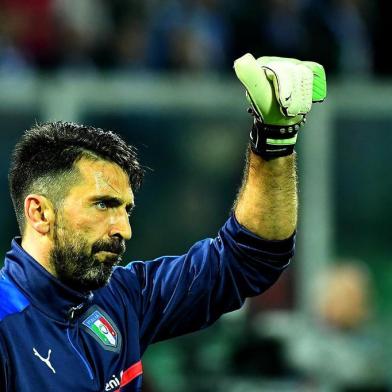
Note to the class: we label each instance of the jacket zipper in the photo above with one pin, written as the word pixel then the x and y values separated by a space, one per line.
pixel 84 360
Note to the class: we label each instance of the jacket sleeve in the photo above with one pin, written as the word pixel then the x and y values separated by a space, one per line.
pixel 181 294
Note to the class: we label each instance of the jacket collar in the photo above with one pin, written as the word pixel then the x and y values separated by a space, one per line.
pixel 44 291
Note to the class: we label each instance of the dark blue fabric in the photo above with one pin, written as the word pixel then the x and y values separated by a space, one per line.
pixel 146 302
pixel 11 299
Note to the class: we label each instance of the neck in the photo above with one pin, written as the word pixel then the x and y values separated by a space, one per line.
pixel 38 248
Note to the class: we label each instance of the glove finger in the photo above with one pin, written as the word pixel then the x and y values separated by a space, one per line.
pixel 260 91
pixel 264 60
pixel 301 99
pixel 293 86
pixel 319 92
pixel 253 78
pixel 281 76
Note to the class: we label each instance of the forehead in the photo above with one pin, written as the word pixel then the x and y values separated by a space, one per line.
pixel 103 178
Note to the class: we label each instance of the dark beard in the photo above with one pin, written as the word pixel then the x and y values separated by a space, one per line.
pixel 78 268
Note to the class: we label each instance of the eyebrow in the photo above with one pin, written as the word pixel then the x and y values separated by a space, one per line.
pixel 113 201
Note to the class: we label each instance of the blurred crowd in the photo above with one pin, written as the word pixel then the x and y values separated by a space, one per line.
pixel 348 36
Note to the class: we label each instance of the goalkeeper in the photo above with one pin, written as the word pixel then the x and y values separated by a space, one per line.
pixel 71 319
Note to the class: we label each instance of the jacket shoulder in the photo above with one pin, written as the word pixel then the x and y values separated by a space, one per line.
pixel 12 300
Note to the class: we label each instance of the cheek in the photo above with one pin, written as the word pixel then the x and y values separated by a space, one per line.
pixel 91 229
pixel 86 220
pixel 88 224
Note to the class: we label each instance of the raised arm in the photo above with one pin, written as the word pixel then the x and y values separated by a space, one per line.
pixel 180 294
pixel 267 201
pixel 280 92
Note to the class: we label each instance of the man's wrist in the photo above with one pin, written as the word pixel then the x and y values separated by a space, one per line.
pixel 273 141
pixel 274 167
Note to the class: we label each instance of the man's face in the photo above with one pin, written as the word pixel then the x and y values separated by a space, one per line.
pixel 92 225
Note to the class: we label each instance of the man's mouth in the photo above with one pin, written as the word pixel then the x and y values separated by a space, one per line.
pixel 116 248
pixel 108 252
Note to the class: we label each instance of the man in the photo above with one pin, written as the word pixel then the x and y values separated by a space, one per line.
pixel 70 319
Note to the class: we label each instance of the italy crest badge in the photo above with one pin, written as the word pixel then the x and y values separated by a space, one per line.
pixel 100 326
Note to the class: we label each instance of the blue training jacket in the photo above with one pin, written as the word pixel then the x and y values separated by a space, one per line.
pixel 55 339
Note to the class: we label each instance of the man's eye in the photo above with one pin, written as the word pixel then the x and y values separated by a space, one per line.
pixel 101 205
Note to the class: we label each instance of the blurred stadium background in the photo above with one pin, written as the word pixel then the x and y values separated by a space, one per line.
pixel 160 73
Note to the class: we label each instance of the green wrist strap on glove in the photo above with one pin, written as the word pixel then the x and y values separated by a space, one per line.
pixel 281 92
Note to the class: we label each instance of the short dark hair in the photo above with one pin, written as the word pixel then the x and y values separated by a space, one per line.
pixel 43 160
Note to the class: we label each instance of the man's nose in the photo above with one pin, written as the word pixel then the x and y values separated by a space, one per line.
pixel 120 225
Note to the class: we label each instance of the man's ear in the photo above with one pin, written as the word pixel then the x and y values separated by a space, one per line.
pixel 39 213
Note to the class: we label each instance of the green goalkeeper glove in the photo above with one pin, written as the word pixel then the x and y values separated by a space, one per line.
pixel 280 92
